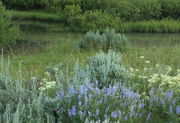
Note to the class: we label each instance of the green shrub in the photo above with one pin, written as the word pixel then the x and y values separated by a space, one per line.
pixel 70 13
pixel 109 39
pixel 149 9
pixel 170 8
pixel 8 31
pixel 93 20
pixel 126 10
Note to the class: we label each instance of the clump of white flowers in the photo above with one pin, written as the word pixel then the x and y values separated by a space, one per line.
pixel 47 83
pixel 165 81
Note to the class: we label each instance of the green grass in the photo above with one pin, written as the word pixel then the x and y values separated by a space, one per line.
pixel 37 15
pixel 62 48
pixel 162 26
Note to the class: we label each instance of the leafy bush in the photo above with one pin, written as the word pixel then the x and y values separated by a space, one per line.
pixel 170 8
pixel 126 10
pixel 109 39
pixel 8 31
pixel 93 20
pixel 149 9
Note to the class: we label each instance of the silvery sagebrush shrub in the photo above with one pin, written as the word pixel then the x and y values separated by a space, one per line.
pixel 107 68
pixel 106 40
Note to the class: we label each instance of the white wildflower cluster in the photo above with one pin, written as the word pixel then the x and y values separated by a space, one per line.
pixel 47 83
pixel 165 81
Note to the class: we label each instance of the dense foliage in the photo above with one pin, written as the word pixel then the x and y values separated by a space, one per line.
pixel 8 31
pixel 126 9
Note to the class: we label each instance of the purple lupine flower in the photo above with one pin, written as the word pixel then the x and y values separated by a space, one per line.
pixel 140 106
pixel 178 110
pixel 125 118
pixel 90 114
pixel 60 95
pixel 119 113
pixel 97 90
pixel 162 101
pixel 88 84
pixel 79 97
pixel 97 112
pixel 90 95
pixel 113 114
pixel 174 101
pixel 113 89
pixel 169 94
pixel 71 90
pixel 105 116
pixel 170 109
pixel 81 90
pixel 73 110
pixel 85 100
pixel 69 113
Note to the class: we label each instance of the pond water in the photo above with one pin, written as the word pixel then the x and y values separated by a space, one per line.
pixel 135 39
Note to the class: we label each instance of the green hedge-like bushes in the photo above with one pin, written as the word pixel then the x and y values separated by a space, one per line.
pixel 92 20
pixel 128 10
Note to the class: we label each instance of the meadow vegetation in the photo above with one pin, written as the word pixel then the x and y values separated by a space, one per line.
pixel 98 77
